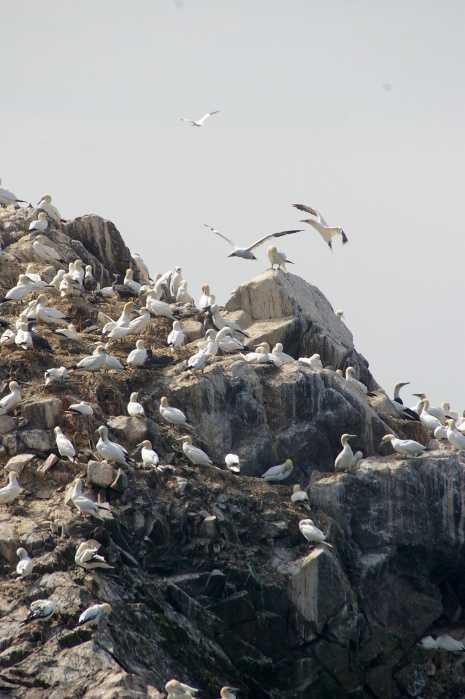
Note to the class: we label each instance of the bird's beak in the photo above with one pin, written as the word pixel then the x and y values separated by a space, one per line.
pixel 418 395
pixel 179 439
pixel 232 255
pixel 139 445
pixel 351 436
pixel 404 384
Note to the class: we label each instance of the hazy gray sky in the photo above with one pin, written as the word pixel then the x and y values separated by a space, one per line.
pixel 353 106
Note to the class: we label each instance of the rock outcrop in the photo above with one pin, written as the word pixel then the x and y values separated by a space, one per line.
pixel 212 581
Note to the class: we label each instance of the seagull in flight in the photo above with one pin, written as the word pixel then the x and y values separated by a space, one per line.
pixel 321 226
pixel 246 253
pixel 201 121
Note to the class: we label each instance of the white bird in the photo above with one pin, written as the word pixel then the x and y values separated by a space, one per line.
pixel 21 290
pixel 339 314
pixel 137 325
pixel 321 226
pixel 278 473
pixel 228 692
pixel 54 375
pixel 278 352
pixel 111 362
pixel 12 400
pixel 40 610
pixel 64 445
pixel 350 378
pixel 226 342
pixel 233 462
pixel 135 409
pixel 95 362
pixel 25 564
pixel 194 454
pixel 57 279
pixel 69 286
pixel 69 332
pixel 312 533
pixel 246 253
pixel 398 405
pixel 51 316
pixel 440 433
pixel 345 457
pixel 138 356
pixel 23 336
pixel 201 121
pixel 176 336
pixel 298 495
pixel 7 197
pixel 142 267
pixel 209 345
pixel 314 361
pixel 428 643
pixel 81 408
pixel 88 558
pixel 79 272
pixel 129 281
pixel 406 447
pixel 277 258
pixel 455 438
pixel 111 451
pixel 173 415
pixel 178 690
pixel 358 456
pixel 8 337
pixel 176 279
pixel 199 361
pixel 157 307
pixel 183 295
pixel 430 422
pixel 206 300
pixel 446 642
pixel 11 491
pixel 93 615
pixel 52 212
pixel 260 356
pixel 122 326
pixel 84 504
pixel 41 224
pixel 221 322
pixel 150 457
pixel 45 252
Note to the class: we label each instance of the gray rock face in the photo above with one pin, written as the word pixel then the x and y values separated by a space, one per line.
pixel 133 429
pixel 100 473
pixel 36 439
pixel 42 414
pixel 17 463
pixel 7 424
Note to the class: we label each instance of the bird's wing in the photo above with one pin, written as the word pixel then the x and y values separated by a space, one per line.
pixel 205 116
pixel 221 235
pixel 272 235
pixel 191 121
pixel 311 210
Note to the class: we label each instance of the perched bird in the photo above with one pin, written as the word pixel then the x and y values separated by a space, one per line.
pixel 173 415
pixel 69 332
pixel 11 491
pixel 150 457
pixel 21 290
pixel 278 258
pixel 23 337
pixel 52 212
pixel 45 252
pixel 53 375
pixel 201 121
pixel 358 456
pixel 88 558
pixel 95 362
pixel 339 314
pixel 398 405
pixel 279 473
pixel 320 225
pixel 446 642
pixel 40 610
pixel 220 322
pixel 345 457
pixel 209 344
pixel 406 447
pixel 429 421
pixel 141 266
pixel 81 409
pixel 41 224
pixel 12 400
pixel 312 533
pixel 138 356
pixel 111 451
pixel 123 291
pixel 194 454
pixel 228 692
pixel 93 615
pixel 130 282
pixel 176 336
pixel 233 462
pixel 137 325
pixel 8 337
pixel 25 564
pixel 64 445
pixel 206 300
pixel 199 361
pixel 7 197
pixel 176 279
pixel 183 295
pixel 440 433
pixel 298 495
pixel 178 690
pixel 428 643
pixel 135 409
pixel 51 316
pixel 278 352
pixel 314 361
pixel 90 283
pixel 455 438
pixel 350 378
pixel 122 326
pixel 246 253
pixel 84 504
pixel 157 307
pixel 260 356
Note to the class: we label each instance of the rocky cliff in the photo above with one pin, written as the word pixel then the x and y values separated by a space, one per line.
pixel 212 581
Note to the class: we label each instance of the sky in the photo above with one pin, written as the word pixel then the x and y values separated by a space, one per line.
pixel 354 107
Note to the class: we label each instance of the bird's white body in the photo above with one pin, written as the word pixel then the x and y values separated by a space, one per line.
pixel 311 532
pixel 226 342
pixel 202 120
pixel 21 290
pixel 25 564
pixel 344 459
pixel 93 615
pixel 278 473
pixel 88 558
pixel 138 356
pixel 81 408
pixel 314 361
pixel 7 197
pixel 173 415
pixel 23 336
pixel 406 447
pixel 40 225
pixel 233 462
pixel 51 316
pixel 52 212
pixel 130 283
pixel 54 375
pixel 446 642
pixel 156 307
pixel 278 352
pixel 260 356
pixel 41 610
pixel 183 295
pixel 350 378
pixel 440 433
pixel 298 495
pixel 95 362
pixel 8 337
pixel 150 458
pixel 199 361
pixel 11 400
pixel 206 300
pixel 455 438
pixel 111 451
pixel 246 253
pixel 429 421
pixel 277 258
pixel 137 325
pixel 64 445
pixel 85 505
pixel 176 336
pixel 142 267
pixel 45 252
pixel 135 409
pixel 11 491
pixel 69 332
pixel 176 279
pixel 194 454
pixel 326 232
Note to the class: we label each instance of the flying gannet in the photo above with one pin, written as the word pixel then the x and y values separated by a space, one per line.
pixel 201 121
pixel 246 253
pixel 88 558
pixel 278 473
pixel 194 454
pixel 40 610
pixel 278 258
pixel 320 225
pixel 406 447
pixel 92 615
pixel 345 457
pixel 312 533
pixel 25 564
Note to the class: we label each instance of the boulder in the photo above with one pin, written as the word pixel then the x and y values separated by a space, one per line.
pixel 36 439
pixel 133 430
pixel 100 473
pixel 17 463
pixel 42 414
pixel 7 424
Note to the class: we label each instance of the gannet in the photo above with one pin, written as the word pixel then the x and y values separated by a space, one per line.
pixel 12 400
pixel 21 290
pixel 95 362
pixel 157 307
pixel 320 225
pixel 138 356
pixel 123 291
pixel 345 457
pixel 273 358
pixel 176 336
pixel 209 345
pixel 278 258
pixel 227 343
pixel 350 378
pixel 107 292
pixel 41 224
pixel 57 279
pixel 88 558
pixel 278 473
pixel 178 690
pixel 129 281
pixel 137 325
pixel 84 504
pixel 406 447
pixel 428 643
pixel 142 267
pixel 81 408
pixel 358 456
pixel 79 272
pixel 440 433
pixel 54 375
pixel 260 356
pixel 32 274
pixel 40 610
pixel 8 337
pixel 111 451
pixel 64 445
pixel 89 283
pixel 446 642
pixel 298 495
pixel 246 253
pixel 51 316
pixel 69 332
pixel 452 414
pixel 397 403
pixel 278 352
pixel 194 454
pixel 25 564
pixel 430 422
pixel 206 300
pixel 69 286
pixel 23 336
pixel 122 326
pixel 183 295
pixel 455 438
pixel 111 362
pixel 228 692
pixel 233 462
pixel 92 615
pixel 7 197
pixel 176 279
pixel 150 457
pixel 135 409
pixel 339 314
pixel 314 361
pixel 173 415
pixel 199 361
pixel 220 322
pixel 312 533
pixel 11 491
pixel 52 212
pixel 201 121
pixel 45 252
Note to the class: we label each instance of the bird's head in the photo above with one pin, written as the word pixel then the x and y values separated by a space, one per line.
pixel 145 444
pixel 387 438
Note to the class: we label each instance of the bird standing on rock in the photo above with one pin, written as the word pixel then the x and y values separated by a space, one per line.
pixel 25 564
pixel 173 415
pixel 93 615
pixel 278 258
pixel 150 457
pixel 111 451
pixel 312 533
pixel 84 504
pixel 279 473
pixel 406 447
pixel 64 445
pixel 40 610
pixel 194 454
pixel 11 491
pixel 88 558
pixel 12 400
